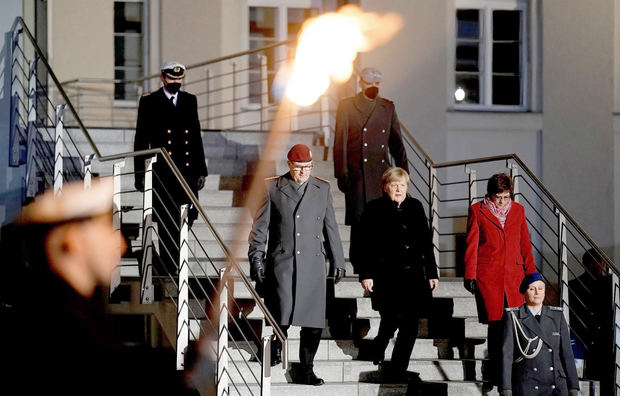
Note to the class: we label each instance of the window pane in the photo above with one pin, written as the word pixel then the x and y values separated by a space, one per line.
pixel 507 25
pixel 506 58
pixel 467 89
pixel 296 18
pixel 468 24
pixel 467 57
pixel 262 22
pixel 128 51
pixel 506 90
pixel 126 91
pixel 127 17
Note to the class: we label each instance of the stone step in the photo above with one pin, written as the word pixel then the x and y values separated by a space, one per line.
pixel 463 307
pixel 448 287
pixel 207 198
pixel 367 328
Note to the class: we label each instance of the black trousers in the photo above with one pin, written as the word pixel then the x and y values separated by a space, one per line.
pixel 495 338
pixel 407 325
pixel 308 345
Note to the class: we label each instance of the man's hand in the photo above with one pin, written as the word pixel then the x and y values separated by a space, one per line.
pixel 339 274
pixel 343 183
pixel 470 285
pixel 367 285
pixel 257 270
pixel 433 283
pixel 200 183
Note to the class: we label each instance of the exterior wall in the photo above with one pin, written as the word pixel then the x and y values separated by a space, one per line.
pixel 578 140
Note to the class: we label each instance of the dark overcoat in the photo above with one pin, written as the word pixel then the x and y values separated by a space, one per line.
pixel 552 371
pixel 299 234
pixel 397 254
pixel 497 258
pixel 173 128
pixel 366 134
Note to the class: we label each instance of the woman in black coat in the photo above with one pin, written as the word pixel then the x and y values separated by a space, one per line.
pixel 398 267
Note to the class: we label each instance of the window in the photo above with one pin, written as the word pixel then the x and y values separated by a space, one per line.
pixel 128 48
pixel 490 55
pixel 272 21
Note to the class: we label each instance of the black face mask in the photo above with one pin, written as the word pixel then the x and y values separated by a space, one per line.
pixel 173 87
pixel 371 92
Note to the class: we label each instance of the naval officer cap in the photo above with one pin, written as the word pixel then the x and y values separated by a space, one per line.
pixel 74 203
pixel 300 153
pixel 528 280
pixel 371 75
pixel 173 70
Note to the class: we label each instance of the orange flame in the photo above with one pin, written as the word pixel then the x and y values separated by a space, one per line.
pixel 328 45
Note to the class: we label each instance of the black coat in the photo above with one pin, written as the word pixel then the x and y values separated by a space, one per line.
pixel 173 128
pixel 365 136
pixel 397 253
pixel 552 371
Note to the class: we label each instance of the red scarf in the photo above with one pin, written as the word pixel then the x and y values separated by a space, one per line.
pixel 500 213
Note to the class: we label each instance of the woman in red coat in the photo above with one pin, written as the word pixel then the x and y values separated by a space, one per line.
pixel 498 254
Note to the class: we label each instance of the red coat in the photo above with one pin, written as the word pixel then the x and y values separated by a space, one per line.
pixel 497 258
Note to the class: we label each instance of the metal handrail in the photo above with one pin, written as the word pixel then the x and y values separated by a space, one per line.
pixel 33 42
pixel 231 259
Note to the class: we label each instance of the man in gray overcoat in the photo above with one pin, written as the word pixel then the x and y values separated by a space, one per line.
pixel 293 234
pixel 367 133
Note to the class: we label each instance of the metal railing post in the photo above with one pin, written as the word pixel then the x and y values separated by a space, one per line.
pixel 562 264
pixel 432 212
pixel 59 150
pixel 32 91
pixel 615 284
pixel 208 99
pixel 146 268
pixel 88 173
pixel 234 95
pixel 324 118
pixel 222 343
pixel 264 91
pixel 183 292
pixel 473 184
pixel 115 280
pixel 265 371
pixel 31 170
pixel 514 173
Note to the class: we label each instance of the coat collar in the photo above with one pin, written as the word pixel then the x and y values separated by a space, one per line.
pixel 364 105
pixel 487 213
pixel 530 322
pixel 287 186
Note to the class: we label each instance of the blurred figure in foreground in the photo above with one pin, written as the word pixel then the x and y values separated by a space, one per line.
pixel 497 255
pixel 537 355
pixel 398 268
pixel 591 319
pixel 59 339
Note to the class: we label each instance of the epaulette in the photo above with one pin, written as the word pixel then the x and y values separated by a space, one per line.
pixel 387 100
pixel 511 309
pixel 321 179
pixel 272 178
pixel 146 94
pixel 556 308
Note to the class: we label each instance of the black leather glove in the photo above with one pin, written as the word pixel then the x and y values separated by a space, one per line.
pixel 470 285
pixel 343 183
pixel 200 182
pixel 257 270
pixel 139 182
pixel 339 274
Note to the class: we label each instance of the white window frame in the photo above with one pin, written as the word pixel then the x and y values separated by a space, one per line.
pixel 485 55
pixel 131 103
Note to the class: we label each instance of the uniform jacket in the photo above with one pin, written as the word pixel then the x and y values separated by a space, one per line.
pixel 552 371
pixel 498 258
pixel 365 136
pixel 397 254
pixel 173 128
pixel 299 234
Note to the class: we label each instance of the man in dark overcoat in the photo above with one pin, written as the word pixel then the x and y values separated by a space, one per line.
pixel 293 234
pixel 168 118
pixel 537 357
pixel 367 133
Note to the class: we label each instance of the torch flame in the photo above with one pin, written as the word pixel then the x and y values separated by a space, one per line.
pixel 328 45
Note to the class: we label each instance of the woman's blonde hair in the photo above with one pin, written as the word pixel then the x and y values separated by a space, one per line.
pixel 392 174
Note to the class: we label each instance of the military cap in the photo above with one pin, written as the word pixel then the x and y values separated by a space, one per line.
pixel 371 75
pixel 300 153
pixel 528 280
pixel 74 203
pixel 173 70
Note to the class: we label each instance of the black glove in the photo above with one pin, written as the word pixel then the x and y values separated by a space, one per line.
pixel 339 274
pixel 200 182
pixel 139 183
pixel 257 270
pixel 470 285
pixel 343 183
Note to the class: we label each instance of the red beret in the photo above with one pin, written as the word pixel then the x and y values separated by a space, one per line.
pixel 300 153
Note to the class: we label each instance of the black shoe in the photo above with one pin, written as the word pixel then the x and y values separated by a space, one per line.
pixel 310 378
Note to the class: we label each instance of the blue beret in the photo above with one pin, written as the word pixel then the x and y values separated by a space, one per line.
pixel 528 280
